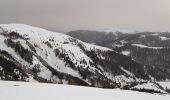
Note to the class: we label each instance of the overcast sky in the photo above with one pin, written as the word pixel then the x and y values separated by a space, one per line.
pixel 66 15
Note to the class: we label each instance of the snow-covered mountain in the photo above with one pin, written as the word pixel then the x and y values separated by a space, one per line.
pixel 97 37
pixel 33 54
pixel 147 48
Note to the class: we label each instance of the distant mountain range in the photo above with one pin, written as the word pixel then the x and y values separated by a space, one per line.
pixel 33 54
pixel 96 37
pixel 147 48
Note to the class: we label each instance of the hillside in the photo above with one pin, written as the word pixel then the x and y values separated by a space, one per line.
pixel 97 37
pixel 147 48
pixel 33 54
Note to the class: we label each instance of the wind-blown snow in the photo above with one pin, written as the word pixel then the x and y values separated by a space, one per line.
pixel 36 91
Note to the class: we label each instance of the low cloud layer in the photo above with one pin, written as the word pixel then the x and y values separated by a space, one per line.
pixel 66 15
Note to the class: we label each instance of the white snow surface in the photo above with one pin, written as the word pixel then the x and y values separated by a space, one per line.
pixel 150 86
pixel 115 30
pixel 144 46
pixel 39 91
pixel 127 53
pixel 126 71
pixel 165 85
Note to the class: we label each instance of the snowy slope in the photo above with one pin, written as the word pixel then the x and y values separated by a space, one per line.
pixel 33 91
pixel 149 87
pixel 165 85
pixel 45 48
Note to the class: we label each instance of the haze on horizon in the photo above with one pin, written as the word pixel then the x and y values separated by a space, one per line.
pixel 67 15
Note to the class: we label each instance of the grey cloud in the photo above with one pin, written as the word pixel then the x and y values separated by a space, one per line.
pixel 66 15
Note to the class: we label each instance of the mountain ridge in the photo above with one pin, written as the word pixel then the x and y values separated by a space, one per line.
pixel 146 48
pixel 43 56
